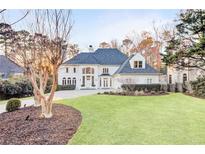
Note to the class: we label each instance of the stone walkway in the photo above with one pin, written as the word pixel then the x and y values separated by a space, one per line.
pixel 67 94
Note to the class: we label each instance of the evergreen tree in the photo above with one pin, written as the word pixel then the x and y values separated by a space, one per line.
pixel 187 47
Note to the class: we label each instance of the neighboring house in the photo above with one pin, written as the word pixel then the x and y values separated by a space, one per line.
pixel 8 68
pixel 175 75
pixel 106 68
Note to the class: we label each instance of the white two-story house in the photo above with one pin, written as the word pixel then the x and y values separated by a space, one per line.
pixel 106 68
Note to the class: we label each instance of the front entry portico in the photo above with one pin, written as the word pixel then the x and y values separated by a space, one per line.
pixel 105 82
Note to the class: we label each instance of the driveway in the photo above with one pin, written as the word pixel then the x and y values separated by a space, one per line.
pixel 66 94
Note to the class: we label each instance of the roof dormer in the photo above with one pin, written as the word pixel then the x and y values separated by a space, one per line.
pixel 137 61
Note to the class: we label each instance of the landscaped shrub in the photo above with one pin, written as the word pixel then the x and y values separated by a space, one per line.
pixel 21 88
pixel 13 104
pixel 66 87
pixel 18 89
pixel 164 87
pixel 171 87
pixel 199 86
pixel 139 87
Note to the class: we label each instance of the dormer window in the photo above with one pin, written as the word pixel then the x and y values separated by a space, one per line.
pixel 105 70
pixel 137 64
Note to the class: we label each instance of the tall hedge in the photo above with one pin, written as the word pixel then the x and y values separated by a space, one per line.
pixel 18 89
pixel 23 88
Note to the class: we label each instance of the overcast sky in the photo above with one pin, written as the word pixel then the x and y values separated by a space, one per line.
pixel 94 26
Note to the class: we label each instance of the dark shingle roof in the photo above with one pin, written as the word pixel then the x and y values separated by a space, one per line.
pixel 106 56
pixel 7 66
pixel 125 68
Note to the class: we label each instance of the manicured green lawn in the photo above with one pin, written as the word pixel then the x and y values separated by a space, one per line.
pixel 170 119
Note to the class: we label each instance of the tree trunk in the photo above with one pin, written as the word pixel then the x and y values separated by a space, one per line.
pixel 46 108
pixel 47 103
pixel 37 98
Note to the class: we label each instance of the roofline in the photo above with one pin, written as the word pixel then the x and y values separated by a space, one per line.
pixel 138 74
pixel 90 64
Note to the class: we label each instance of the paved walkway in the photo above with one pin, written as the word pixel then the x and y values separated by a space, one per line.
pixel 67 94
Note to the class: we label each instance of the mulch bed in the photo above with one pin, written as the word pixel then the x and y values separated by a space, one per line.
pixel 25 127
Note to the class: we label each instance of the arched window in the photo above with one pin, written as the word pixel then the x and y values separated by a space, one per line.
pixel 64 81
pixel 74 81
pixel 184 77
pixel 69 81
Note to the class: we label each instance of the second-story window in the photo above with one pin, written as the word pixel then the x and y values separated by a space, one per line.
pixel 138 64
pixel 67 70
pixel 74 70
pixel 105 70
pixel 88 70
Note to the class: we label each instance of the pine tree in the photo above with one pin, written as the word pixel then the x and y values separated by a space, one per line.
pixel 187 47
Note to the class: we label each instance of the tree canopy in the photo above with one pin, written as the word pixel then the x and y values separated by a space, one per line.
pixel 187 47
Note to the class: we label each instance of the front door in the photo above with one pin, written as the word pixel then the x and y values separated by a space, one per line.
pixel 105 82
pixel 88 83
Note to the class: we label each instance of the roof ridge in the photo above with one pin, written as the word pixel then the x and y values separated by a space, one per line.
pixel 123 65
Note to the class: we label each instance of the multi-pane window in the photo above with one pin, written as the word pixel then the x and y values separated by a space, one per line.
pixel 69 81
pixel 74 81
pixel 64 81
pixel 105 70
pixel 138 64
pixel 88 70
pixel 83 81
pixel 184 77
pixel 170 79
pixel 93 81
pixel 67 70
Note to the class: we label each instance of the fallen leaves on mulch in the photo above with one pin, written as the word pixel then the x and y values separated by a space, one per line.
pixel 25 127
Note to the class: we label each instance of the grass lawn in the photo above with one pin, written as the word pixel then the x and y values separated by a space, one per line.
pixel 170 119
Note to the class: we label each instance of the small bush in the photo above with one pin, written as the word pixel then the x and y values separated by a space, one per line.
pixel 13 104
pixel 66 87
pixel 106 93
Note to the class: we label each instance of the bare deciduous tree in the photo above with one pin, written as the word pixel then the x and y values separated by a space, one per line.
pixel 43 51
pixel 73 50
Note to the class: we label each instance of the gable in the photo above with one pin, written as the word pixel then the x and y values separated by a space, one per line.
pixel 126 67
pixel 137 57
